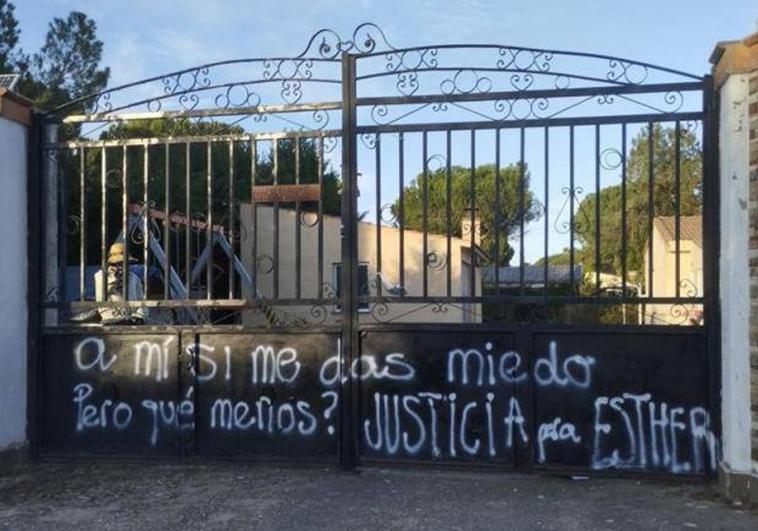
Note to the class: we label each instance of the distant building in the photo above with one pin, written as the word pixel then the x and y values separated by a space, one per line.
pixel 664 277
pixel 462 260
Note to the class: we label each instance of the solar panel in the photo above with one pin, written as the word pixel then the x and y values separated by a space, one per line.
pixel 9 81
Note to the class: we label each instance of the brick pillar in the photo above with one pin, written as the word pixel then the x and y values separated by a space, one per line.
pixel 735 73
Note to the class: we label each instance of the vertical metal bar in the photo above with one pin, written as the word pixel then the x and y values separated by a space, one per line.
pixel 103 223
pixel 711 245
pixel 320 286
pixel 63 193
pixel 497 214
pixel 51 226
pixel 350 391
pixel 38 162
pixel 472 205
pixel 522 206
pixel 82 222
pixel 209 221
pixel 146 225
pixel 623 212
pixel 231 218
pixel 546 267
pixel 677 204
pixel 298 235
pixel 650 207
pixel 188 220
pixel 167 224
pixel 571 209
pixel 401 200
pixel 597 209
pixel 449 209
pixel 275 171
pixel 124 222
pixel 425 214
pixel 378 169
pixel 254 220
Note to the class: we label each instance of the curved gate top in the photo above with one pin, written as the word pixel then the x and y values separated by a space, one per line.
pixel 455 252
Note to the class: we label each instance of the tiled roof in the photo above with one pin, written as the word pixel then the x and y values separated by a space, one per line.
pixel 9 81
pixel 690 228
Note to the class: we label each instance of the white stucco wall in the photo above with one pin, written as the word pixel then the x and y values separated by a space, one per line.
pixel 734 273
pixel 13 262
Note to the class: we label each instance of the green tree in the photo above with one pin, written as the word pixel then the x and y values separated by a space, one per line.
pixel 9 34
pixel 507 217
pixel 67 67
pixel 562 258
pixel 664 199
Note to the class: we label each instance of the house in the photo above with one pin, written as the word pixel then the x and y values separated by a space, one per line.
pixel 664 277
pixel 462 260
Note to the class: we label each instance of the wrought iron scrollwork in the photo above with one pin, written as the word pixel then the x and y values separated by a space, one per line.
pixel 328 290
pixel 369 140
pixel 580 221
pixel 238 95
pixel 102 103
pixel 440 308
pixel 330 143
pixel 524 59
pixel 527 65
pixel 436 261
pixel 521 108
pixel 389 215
pixel 409 60
pixel 264 264
pixel 186 81
pixel 627 72
pixel 328 44
pixel 309 219
pixel 53 295
pixel 611 159
pixel 73 225
pixel 466 81
pixel 380 311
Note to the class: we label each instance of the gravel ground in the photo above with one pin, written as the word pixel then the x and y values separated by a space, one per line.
pixel 124 495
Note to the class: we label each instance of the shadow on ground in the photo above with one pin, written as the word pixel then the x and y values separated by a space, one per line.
pixel 107 495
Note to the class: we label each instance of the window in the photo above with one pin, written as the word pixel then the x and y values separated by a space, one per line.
pixel 362 284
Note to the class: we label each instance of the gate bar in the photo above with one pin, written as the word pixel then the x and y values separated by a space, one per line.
pixel 529 94
pixel 350 391
pixel 535 122
pixel 651 207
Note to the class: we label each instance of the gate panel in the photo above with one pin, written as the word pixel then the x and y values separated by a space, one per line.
pixel 267 395
pixel 442 397
pixel 112 394
pixel 511 265
pixel 580 399
pixel 622 399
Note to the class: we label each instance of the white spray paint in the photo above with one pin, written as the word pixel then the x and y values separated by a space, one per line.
pixel 575 371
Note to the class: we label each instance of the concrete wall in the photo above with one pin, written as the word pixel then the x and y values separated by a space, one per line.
pixel 13 283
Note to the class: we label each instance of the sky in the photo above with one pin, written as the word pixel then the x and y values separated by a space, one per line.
pixel 148 37
pixel 144 38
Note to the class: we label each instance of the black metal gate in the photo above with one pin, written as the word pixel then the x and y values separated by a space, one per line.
pixel 515 264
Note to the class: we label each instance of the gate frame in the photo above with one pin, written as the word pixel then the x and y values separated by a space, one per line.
pixel 349 432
